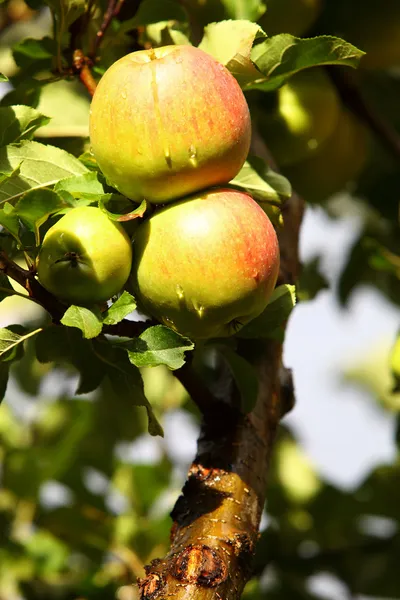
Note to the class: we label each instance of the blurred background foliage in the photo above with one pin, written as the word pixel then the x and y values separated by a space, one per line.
pixel 85 493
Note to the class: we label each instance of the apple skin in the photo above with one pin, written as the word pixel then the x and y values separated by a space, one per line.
pixel 206 265
pixel 338 162
pixel 167 122
pixel 85 257
pixel 307 112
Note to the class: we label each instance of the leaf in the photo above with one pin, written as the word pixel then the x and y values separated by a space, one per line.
pixel 248 9
pixel 259 180
pixel 230 42
pixel 26 93
pixel 4 370
pixel 159 345
pixel 65 344
pixel 3 77
pixel 154 11
pixel 244 375
pixel 10 221
pixel 126 380
pixel 395 364
pixel 33 54
pixel 120 309
pixel 41 166
pixel 311 280
pixel 87 320
pixel 18 123
pixel 270 324
pixel 121 204
pixel 86 186
pixel 7 174
pixel 10 339
pixel 35 208
pixel 6 289
pixel 281 56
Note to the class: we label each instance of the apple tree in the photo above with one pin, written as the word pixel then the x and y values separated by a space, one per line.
pixel 156 160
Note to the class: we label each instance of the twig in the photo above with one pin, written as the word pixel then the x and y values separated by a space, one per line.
pixel 81 65
pixel 353 98
pixel 113 9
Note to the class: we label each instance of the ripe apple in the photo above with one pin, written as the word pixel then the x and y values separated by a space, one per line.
pixel 206 265
pixel 167 122
pixel 339 161
pixel 305 114
pixel 85 257
pixel 290 16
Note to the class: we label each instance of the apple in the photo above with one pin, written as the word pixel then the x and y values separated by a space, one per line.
pixel 207 265
pixel 306 113
pixel 290 16
pixel 85 257
pixel 338 162
pixel 167 122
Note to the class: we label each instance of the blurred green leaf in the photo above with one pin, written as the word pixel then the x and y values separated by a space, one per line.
pixel 159 345
pixel 9 340
pixel 6 288
pixel 34 55
pixel 311 280
pixel 154 11
pixel 4 370
pixel 18 123
pixel 40 166
pixel 251 9
pixel 120 309
pixel 3 77
pixel 87 320
pixel 244 375
pixel 271 322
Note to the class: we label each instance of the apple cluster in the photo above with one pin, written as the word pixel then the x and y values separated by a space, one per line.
pixel 172 126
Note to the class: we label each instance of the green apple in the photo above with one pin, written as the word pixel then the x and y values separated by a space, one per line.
pixel 306 113
pixel 207 265
pixel 339 161
pixel 85 257
pixel 290 16
pixel 167 122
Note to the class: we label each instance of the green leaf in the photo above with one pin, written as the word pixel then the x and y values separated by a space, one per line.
pixel 281 56
pixel 3 77
pixel 395 364
pixel 120 203
pixel 6 289
pixel 26 93
pixel 230 42
pixel 4 370
pixel 87 320
pixel 9 340
pixel 244 375
pixel 121 308
pixel 248 9
pixel 126 380
pixel 10 221
pixel 35 208
pixel 154 11
pixel 66 345
pixel 7 174
pixel 159 345
pixel 271 322
pixel 18 123
pixel 86 186
pixel 30 52
pixel 311 280
pixel 259 180
pixel 41 166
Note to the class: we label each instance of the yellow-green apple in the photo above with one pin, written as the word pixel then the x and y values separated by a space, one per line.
pixel 338 162
pixel 85 257
pixel 290 16
pixel 206 265
pixel 167 122
pixel 305 114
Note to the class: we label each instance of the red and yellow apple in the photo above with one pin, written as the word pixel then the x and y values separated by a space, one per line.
pixel 207 265
pixel 85 257
pixel 167 122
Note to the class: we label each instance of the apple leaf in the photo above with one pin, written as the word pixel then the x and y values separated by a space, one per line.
pixel 250 9
pixel 87 320
pixel 3 77
pixel 281 56
pixel 7 174
pixel 40 166
pixel 244 375
pixel 35 207
pixel 6 289
pixel 4 371
pixel 270 324
pixel 10 221
pixel 89 161
pixel 159 345
pixel 18 123
pixel 120 309
pixel 66 344
pixel 311 280
pixel 126 380
pixel 154 11
pixel 81 187
pixel 121 204
pixel 259 180
pixel 11 338
pixel 34 54
pixel 230 42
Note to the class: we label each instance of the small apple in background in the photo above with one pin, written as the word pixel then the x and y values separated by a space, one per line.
pixel 306 112
pixel 85 257
pixel 338 162
pixel 167 122
pixel 206 265
pixel 290 16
